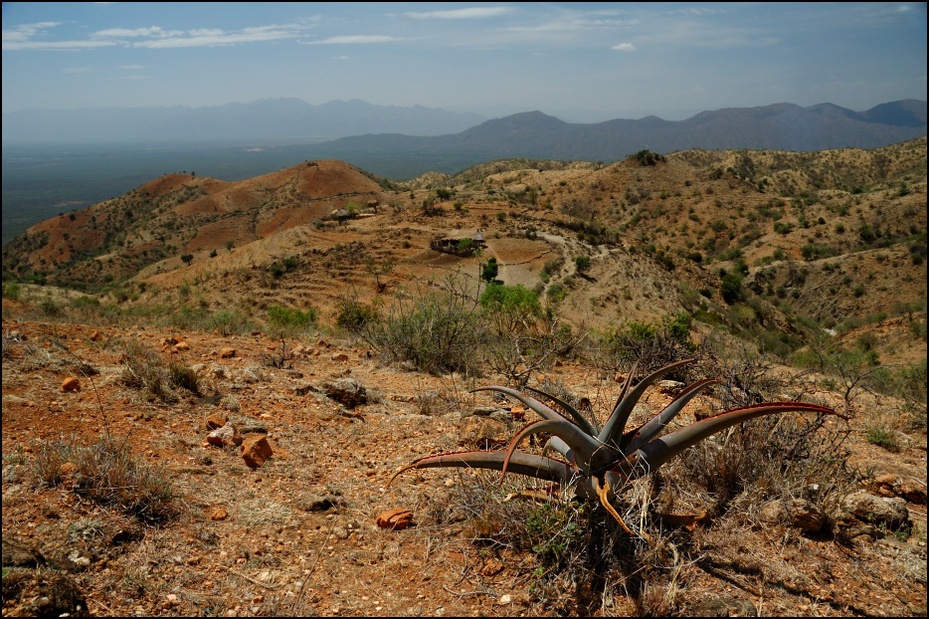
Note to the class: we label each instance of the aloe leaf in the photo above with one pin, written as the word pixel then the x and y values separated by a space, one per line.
pixel 563 448
pixel 544 411
pixel 620 415
pixel 658 451
pixel 583 444
pixel 659 422
pixel 586 424
pixel 531 465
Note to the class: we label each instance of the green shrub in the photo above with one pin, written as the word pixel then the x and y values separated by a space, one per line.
pixel 437 332
pixel 11 291
pixel 883 436
pixel 652 345
pixel 353 315
pixel 289 320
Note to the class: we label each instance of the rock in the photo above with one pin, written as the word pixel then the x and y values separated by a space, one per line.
pixel 44 593
pixel 217 513
pixel 890 485
pixel 799 513
pixel 19 553
pixel 395 519
pixel 224 436
pixel 182 346
pixel 216 420
pixel 71 384
pixel 256 451
pixel 491 568
pixel 346 391
pixel 483 432
pixel 227 353
pixel 670 387
pixel 891 513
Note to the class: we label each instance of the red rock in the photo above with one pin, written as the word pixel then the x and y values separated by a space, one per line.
pixel 216 420
pixel 256 451
pixel 71 384
pixel 395 519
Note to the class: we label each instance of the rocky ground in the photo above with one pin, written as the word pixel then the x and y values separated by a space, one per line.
pixel 293 528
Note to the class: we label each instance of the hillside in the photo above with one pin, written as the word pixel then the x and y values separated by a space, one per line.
pixel 209 386
pixel 807 236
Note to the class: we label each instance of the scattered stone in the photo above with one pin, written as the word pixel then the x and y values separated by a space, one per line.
pixel 216 420
pixel 889 485
pixel 182 346
pixel 891 513
pixel 670 387
pixel 395 519
pixel 256 451
pixel 341 357
pixel 217 512
pixel 19 553
pixel 346 391
pixel 43 593
pixel 483 432
pixel 227 353
pixel 71 384
pixel 224 436
pixel 491 568
pixel 798 513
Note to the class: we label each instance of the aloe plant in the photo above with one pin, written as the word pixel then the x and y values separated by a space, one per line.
pixel 595 461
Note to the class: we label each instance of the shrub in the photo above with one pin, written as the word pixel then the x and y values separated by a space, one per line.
pixel 353 315
pixel 651 345
pixel 107 473
pixel 289 320
pixel 436 332
pixel 582 264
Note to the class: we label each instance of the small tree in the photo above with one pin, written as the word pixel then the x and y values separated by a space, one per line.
pixel 582 263
pixel 489 270
pixel 187 258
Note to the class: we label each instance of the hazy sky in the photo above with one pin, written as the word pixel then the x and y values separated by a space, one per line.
pixel 582 62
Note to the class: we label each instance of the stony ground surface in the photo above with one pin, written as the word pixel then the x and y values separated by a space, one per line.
pixel 298 535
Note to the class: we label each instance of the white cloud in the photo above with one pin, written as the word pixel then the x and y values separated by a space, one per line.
pixel 624 47
pixel 212 37
pixel 356 39
pixel 26 37
pixel 470 13
pixel 127 33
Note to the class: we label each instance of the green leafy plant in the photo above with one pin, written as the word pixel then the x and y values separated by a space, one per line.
pixel 600 461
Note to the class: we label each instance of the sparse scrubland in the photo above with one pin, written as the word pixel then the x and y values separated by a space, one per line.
pixel 154 345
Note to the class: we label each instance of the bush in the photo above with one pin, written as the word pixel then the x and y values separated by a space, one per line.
pixel 108 474
pixel 289 320
pixel 353 315
pixel 652 345
pixel 437 332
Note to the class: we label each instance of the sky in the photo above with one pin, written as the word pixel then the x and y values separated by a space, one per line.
pixel 581 62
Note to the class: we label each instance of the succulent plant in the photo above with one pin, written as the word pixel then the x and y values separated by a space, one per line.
pixel 599 461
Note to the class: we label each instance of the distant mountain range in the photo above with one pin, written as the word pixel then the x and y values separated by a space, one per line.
pixel 347 128
pixel 782 126
pixel 264 121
